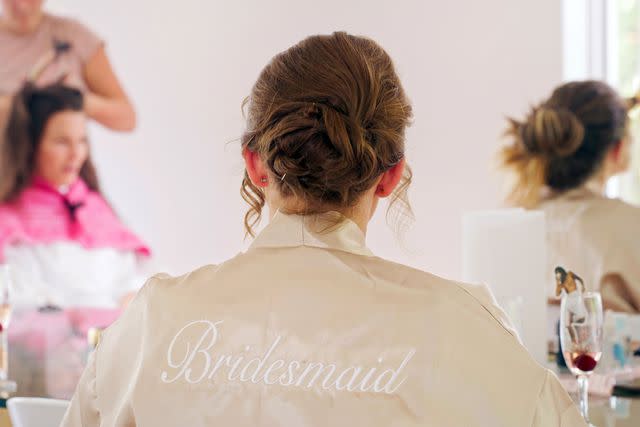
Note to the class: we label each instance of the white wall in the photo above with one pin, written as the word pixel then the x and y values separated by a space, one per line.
pixel 187 65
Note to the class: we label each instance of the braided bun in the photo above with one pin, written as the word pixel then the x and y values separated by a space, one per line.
pixel 328 117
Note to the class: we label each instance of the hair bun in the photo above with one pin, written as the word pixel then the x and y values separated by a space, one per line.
pixel 327 117
pixel 321 152
pixel 553 132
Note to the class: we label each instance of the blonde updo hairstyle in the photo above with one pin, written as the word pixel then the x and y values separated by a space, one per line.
pixel 328 117
pixel 563 141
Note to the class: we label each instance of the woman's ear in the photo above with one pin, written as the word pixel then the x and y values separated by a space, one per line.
pixel 620 156
pixel 617 150
pixel 390 179
pixel 255 168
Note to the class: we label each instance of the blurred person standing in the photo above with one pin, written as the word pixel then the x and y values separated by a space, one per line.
pixel 43 48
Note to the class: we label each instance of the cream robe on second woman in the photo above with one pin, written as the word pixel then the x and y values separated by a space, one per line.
pixel 598 238
pixel 311 329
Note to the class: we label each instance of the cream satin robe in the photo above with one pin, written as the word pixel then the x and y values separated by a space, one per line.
pixel 308 329
pixel 599 239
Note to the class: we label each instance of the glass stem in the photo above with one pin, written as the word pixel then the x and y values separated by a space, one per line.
pixel 583 385
pixel 4 355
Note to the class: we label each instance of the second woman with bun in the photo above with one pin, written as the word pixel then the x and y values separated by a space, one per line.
pixel 563 154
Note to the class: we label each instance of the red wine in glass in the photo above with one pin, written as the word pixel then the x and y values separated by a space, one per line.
pixel 582 362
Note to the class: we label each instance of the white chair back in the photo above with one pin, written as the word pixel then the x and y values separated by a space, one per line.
pixel 36 412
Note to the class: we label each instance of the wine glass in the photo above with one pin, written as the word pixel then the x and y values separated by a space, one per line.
pixel 6 385
pixel 581 322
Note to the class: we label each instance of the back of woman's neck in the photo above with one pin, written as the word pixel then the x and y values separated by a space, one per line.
pixel 597 185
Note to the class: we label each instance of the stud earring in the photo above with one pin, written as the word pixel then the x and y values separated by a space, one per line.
pixel 263 180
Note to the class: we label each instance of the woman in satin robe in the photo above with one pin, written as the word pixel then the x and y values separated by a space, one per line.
pixel 309 327
pixel 563 154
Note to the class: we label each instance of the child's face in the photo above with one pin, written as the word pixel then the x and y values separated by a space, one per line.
pixel 63 149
